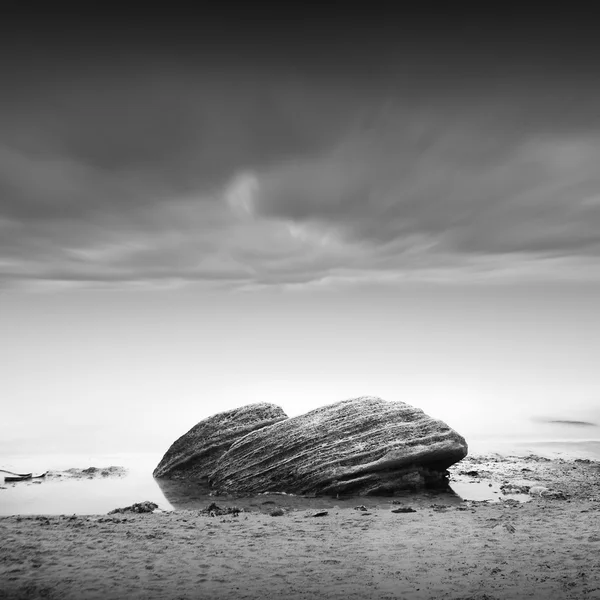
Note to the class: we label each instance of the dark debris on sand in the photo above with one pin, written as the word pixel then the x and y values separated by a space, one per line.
pixel 212 510
pixel 138 507
pixel 320 513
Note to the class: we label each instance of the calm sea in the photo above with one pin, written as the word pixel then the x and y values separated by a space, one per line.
pixel 98 496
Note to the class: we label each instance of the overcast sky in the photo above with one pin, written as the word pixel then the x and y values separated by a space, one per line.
pixel 275 151
pixel 267 148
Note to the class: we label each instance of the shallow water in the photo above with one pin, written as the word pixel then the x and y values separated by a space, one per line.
pixel 97 496
pixel 484 491
pixel 79 496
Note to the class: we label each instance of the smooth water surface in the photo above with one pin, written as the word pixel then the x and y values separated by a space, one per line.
pixel 100 495
pixel 79 496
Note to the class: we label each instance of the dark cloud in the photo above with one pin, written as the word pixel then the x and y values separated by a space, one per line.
pixel 294 150
pixel 170 132
pixel 471 185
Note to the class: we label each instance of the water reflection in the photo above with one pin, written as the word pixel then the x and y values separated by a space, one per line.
pixel 189 495
pixel 185 495
pixel 83 496
pixel 100 495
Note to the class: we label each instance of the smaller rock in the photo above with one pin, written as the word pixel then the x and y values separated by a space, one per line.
pixel 138 507
pixel 512 502
pixel 361 507
pixel 512 488
pixel 321 513
pixel 90 472
pixel 404 509
pixel 195 454
pixel 278 512
pixel 544 492
pixel 212 510
pixel 537 490
pixel 555 495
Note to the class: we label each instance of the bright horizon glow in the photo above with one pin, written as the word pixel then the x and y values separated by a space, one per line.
pixel 106 371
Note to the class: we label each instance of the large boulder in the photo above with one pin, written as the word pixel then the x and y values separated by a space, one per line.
pixel 195 454
pixel 360 446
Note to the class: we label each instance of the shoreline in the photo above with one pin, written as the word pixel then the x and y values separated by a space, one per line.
pixel 448 548
pixel 492 476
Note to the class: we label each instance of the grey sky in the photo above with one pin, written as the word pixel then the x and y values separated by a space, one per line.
pixel 425 156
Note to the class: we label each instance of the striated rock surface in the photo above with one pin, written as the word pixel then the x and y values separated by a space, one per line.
pixel 195 454
pixel 360 446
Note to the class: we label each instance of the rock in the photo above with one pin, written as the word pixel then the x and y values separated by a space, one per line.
pixel 321 513
pixel 138 507
pixel 360 446
pixel 511 502
pixel 212 510
pixel 195 454
pixel 513 488
pixel 555 495
pixel 90 473
pixel 544 492
pixel 403 509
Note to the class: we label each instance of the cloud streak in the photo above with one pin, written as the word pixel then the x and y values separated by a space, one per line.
pixel 147 172
pixel 463 189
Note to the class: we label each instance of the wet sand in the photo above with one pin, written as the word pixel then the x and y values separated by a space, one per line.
pixel 547 547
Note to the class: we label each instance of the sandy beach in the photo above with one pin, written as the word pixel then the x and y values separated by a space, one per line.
pixel 547 547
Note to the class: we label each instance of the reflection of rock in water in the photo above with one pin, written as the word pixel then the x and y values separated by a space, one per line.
pixel 185 495
pixel 189 495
